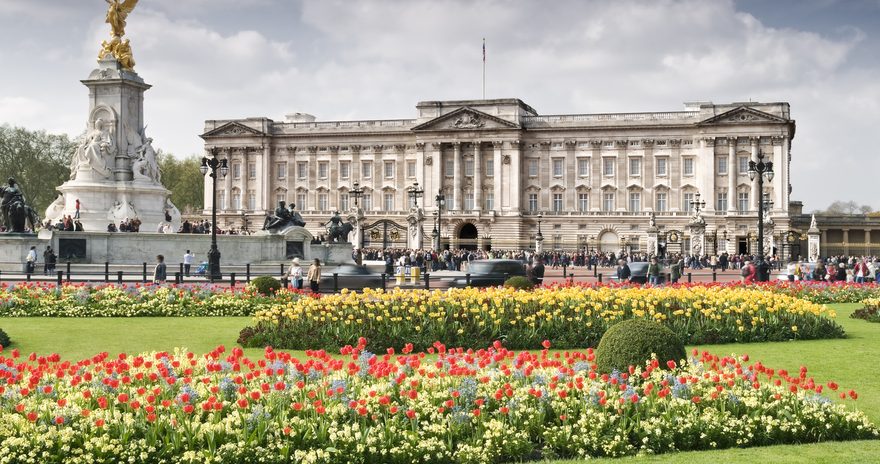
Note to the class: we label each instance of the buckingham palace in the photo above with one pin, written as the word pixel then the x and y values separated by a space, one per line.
pixel 508 175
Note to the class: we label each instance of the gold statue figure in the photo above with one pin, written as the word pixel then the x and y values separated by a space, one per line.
pixel 118 48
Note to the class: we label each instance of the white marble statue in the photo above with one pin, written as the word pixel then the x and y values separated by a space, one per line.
pixel 122 211
pixel 94 151
pixel 56 210
pixel 146 167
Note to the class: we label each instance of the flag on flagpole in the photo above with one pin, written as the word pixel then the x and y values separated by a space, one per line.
pixel 484 49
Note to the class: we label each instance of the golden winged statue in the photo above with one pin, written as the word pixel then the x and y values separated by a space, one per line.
pixel 120 49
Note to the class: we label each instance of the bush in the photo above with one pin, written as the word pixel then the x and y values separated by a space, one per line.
pixel 4 339
pixel 519 283
pixel 267 285
pixel 633 341
pixel 868 314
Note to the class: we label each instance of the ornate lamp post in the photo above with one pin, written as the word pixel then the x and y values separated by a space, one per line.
pixel 761 170
pixel 539 237
pixel 357 192
pixel 415 193
pixel 439 201
pixel 213 167
pixel 698 204
pixel 435 233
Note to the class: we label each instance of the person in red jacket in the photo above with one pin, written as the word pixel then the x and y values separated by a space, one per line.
pixel 860 271
pixel 749 272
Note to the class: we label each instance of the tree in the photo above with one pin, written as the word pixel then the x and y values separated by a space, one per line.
pixel 183 178
pixel 39 161
pixel 845 208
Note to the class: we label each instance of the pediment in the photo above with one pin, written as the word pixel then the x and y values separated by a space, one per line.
pixel 233 129
pixel 744 115
pixel 465 118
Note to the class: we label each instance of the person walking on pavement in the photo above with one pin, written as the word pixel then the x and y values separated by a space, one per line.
pixel 49 259
pixel 188 259
pixel 30 261
pixel 295 274
pixel 623 271
pixel 654 272
pixel 160 273
pixel 314 276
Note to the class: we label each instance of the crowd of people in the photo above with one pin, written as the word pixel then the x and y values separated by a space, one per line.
pixel 67 223
pixel 204 227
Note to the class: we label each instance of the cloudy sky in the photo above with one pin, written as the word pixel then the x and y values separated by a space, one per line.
pixel 216 59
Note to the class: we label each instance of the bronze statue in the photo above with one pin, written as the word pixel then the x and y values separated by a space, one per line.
pixel 337 230
pixel 118 48
pixel 16 213
pixel 282 218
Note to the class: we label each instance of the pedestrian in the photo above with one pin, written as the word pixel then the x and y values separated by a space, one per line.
pixel 676 269
pixel 314 275
pixel 188 259
pixel 654 272
pixel 538 272
pixel 76 213
pixel 30 261
pixel 48 260
pixel 623 271
pixel 160 273
pixel 749 272
pixel 295 274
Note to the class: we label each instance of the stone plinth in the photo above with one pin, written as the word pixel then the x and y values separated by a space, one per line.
pixel 106 202
pixel 332 253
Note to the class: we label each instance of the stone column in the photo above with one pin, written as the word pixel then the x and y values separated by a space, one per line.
pixel 698 239
pixel 244 179
pixel 265 199
pixel 436 172
pixel 225 153
pixel 333 186
pixel 732 174
pixel 355 171
pixel 755 195
pixel 420 170
pixel 653 246
pixel 814 249
pixel 478 177
pixel 539 244
pixel 780 180
pixel 705 172
pixel 456 177
pixel 515 184
pixel 846 242
pixel 400 192
pixel 497 181
pixel 313 178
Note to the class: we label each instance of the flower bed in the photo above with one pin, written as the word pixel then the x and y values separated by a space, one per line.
pixel 105 300
pixel 570 316
pixel 825 292
pixel 461 406
pixel 871 311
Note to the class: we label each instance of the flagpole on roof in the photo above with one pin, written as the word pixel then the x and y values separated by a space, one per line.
pixel 484 68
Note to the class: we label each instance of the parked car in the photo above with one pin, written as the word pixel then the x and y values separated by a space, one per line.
pixel 350 276
pixel 490 273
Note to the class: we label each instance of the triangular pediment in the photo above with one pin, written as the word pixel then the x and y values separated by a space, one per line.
pixel 744 115
pixel 466 118
pixel 233 129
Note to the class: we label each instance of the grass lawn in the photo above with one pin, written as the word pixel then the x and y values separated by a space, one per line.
pixel 850 362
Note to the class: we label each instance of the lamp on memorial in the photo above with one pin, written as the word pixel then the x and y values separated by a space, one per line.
pixel 761 170
pixel 415 193
pixel 439 201
pixel 214 167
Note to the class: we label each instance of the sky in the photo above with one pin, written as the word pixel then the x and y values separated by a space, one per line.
pixel 366 59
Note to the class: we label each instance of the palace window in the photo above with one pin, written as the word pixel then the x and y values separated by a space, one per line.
pixel 608 202
pixel 635 167
pixel 302 203
pixel 722 165
pixel 635 202
pixel 608 166
pixel 323 167
pixel 252 170
pixel 281 170
pixel 490 201
pixel 557 202
pixel 344 169
pixel 469 167
pixel 343 202
pixel 583 202
pixel 661 166
pixel 660 202
pixel 490 167
pixel 388 201
pixel 280 195
pixel 583 167
pixel 533 202
pixel 468 201
pixel 236 200
pixel 743 162
pixel 221 199
pixel 557 167
pixel 533 168
pixel 322 202
pixel 410 169
pixel 366 169
pixel 721 204
pixel 368 201
pixel 687 199
pixel 388 167
pixel 236 171
pixel 687 166
pixel 742 202
pixel 302 169
pixel 450 167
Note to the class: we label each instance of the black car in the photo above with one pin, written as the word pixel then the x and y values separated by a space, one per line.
pixel 350 276
pixel 490 273
pixel 639 272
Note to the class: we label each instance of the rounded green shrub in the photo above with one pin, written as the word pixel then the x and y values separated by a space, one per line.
pixel 4 339
pixel 633 341
pixel 519 283
pixel 267 285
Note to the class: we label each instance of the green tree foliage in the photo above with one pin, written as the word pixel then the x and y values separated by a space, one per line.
pixel 845 208
pixel 39 161
pixel 183 178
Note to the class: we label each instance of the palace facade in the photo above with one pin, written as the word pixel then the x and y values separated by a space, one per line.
pixel 586 180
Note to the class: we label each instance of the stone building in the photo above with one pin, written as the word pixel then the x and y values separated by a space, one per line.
pixel 592 180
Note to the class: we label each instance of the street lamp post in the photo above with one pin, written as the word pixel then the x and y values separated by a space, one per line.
pixel 213 166
pixel 539 237
pixel 357 192
pixel 439 200
pixel 415 193
pixel 760 169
